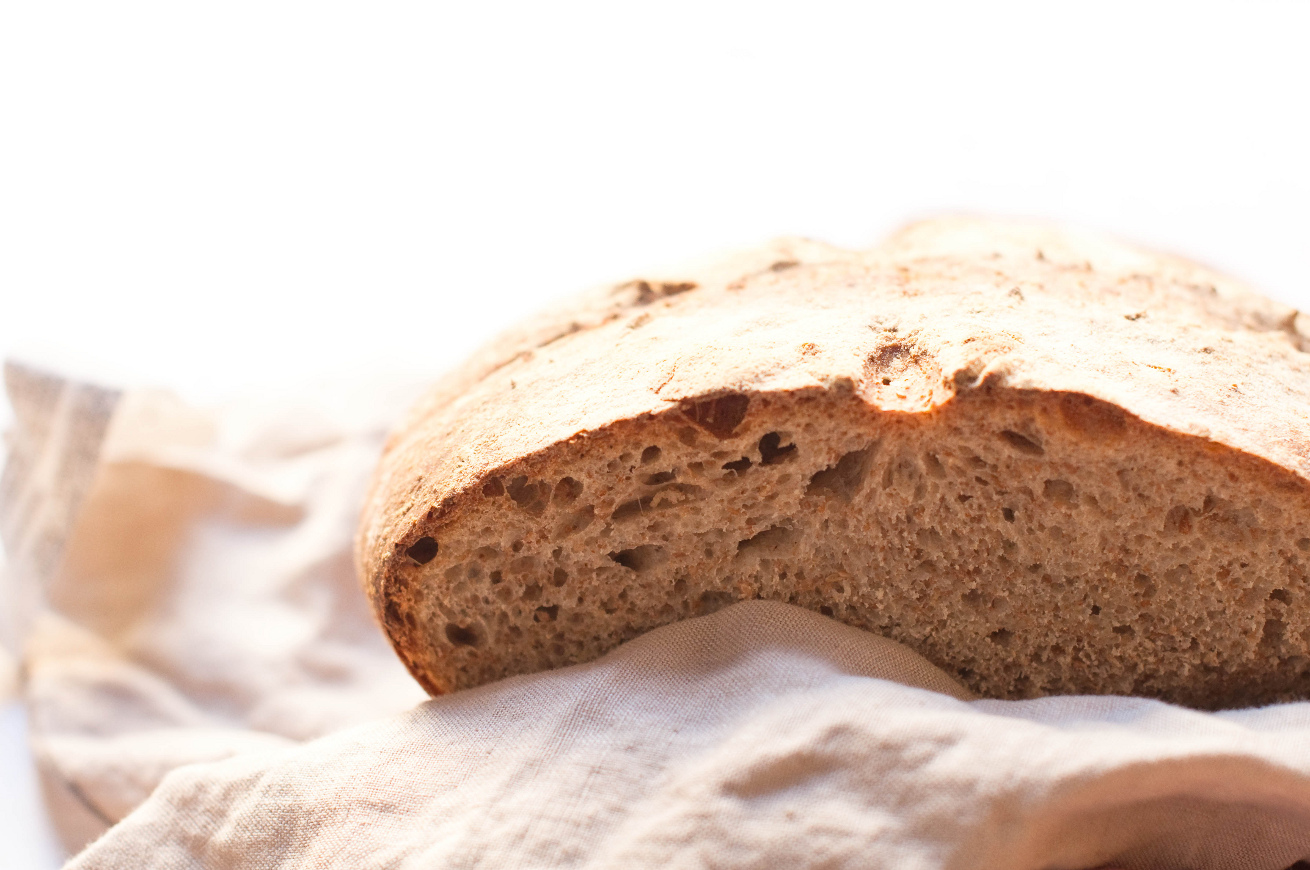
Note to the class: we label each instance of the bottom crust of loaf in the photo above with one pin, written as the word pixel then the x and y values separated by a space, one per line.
pixel 1029 542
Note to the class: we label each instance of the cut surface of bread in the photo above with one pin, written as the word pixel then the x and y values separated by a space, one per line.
pixel 1048 463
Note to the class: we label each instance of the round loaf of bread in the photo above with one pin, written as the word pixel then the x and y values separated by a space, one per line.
pixel 1047 462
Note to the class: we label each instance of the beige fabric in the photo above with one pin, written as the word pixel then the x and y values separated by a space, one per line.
pixel 51 458
pixel 191 618
pixel 761 736
pixel 183 583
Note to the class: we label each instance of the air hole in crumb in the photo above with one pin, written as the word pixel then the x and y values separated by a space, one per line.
pixel 567 491
pixel 423 551
pixel 934 466
pixel 461 635
pixel 1001 637
pixel 532 592
pixel 650 454
pixel 737 465
pixel 1281 595
pixel 825 610
pixel 493 488
pixel 973 598
pixel 559 578
pixel 531 497
pixel 886 382
pixel 1096 610
pixel 1144 584
pixel 1125 630
pixel 679 586
pixel 641 558
pixel 629 509
pixel 962 498
pixel 1303 543
pixel 718 416
pixel 495 577
pixel 769 541
pixel 709 602
pixel 1059 491
pixel 670 496
pixel 1021 443
pixel 660 477
pixel 575 522
pixel 1179 520
pixel 546 614
pixel 1092 417
pixel 845 478
pixel 773 451
pixel 1008 513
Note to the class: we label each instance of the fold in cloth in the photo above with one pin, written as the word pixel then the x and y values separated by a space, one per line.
pixel 192 628
pixel 761 736
pixel 183 582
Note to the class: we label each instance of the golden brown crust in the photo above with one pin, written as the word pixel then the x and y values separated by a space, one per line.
pixel 939 311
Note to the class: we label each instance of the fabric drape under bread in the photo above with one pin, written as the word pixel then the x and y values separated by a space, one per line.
pixel 761 736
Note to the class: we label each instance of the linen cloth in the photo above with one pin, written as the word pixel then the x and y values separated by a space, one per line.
pixel 181 581
pixel 761 736
pixel 191 623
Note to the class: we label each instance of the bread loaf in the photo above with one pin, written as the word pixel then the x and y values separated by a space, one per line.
pixel 1047 462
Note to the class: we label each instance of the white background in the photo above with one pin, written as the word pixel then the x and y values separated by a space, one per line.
pixel 220 196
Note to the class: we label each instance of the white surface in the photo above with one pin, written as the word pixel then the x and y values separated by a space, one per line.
pixel 205 194
pixel 27 842
pixel 210 196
